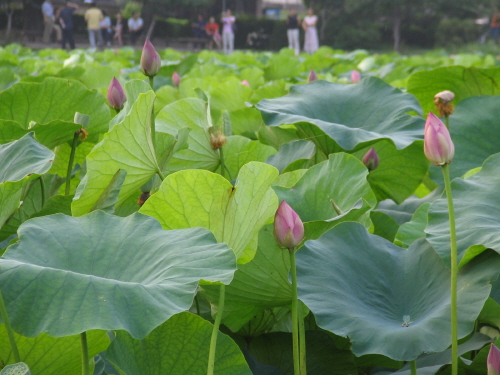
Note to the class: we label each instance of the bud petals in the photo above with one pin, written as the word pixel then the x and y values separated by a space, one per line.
pixel 176 79
pixel 245 82
pixel 493 361
pixel 312 76
pixel 288 228
pixel 116 95
pixel 438 146
pixel 355 76
pixel 370 159
pixel 150 60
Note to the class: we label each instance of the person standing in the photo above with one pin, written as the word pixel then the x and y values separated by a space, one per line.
pixel 106 30
pixel 135 25
pixel 292 23
pixel 66 21
pixel 94 16
pixel 212 30
pixel 49 22
pixel 495 26
pixel 311 42
pixel 118 29
pixel 228 32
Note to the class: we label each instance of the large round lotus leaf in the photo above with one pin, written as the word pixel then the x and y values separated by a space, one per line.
pixel 178 347
pixel 68 275
pixel 349 114
pixel 388 300
pixel 477 206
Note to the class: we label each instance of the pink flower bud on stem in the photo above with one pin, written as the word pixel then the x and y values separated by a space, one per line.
pixel 438 146
pixel 150 60
pixel 370 159
pixel 116 95
pixel 288 228
pixel 493 361
pixel 355 76
pixel 176 79
pixel 312 76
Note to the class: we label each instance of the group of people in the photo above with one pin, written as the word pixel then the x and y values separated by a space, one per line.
pixel 210 29
pixel 311 41
pixel 99 26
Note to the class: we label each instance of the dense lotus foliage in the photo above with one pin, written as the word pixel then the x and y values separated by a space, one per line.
pixel 133 221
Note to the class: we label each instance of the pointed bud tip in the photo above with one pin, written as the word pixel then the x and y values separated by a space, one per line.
pixel 438 146
pixel 312 76
pixel 116 95
pixel 288 228
pixel 371 159
pixel 493 361
pixel 150 60
pixel 355 76
pixel 176 79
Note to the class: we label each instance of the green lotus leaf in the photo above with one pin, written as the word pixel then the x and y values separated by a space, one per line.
pixel 384 225
pixel 132 90
pixel 463 82
pixel 282 66
pixel 230 95
pixel 234 214
pixel 22 161
pixel 48 355
pixel 291 152
pixel 19 368
pixel 246 122
pixel 179 346
pixel 10 131
pixel 127 146
pixel 476 214
pixel 101 271
pixel 414 229
pixel 399 305
pixel 54 99
pixel 354 116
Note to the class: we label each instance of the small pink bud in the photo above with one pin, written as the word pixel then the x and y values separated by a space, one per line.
pixel 312 76
pixel 176 79
pixel 493 361
pixel 355 76
pixel 115 51
pixel 438 146
pixel 371 160
pixel 150 60
pixel 245 82
pixel 116 95
pixel 288 228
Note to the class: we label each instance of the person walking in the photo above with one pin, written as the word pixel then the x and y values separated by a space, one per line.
pixel 118 29
pixel 94 16
pixel 311 42
pixel 135 25
pixel 212 30
pixel 292 23
pixel 106 30
pixel 228 21
pixel 49 22
pixel 67 25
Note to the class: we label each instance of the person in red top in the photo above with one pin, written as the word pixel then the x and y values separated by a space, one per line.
pixel 495 26
pixel 212 30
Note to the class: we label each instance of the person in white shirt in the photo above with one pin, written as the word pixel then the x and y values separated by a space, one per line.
pixel 135 25
pixel 49 21
pixel 228 32
pixel 311 41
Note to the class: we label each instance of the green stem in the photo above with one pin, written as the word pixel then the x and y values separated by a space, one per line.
pixel 70 163
pixel 197 303
pixel 215 331
pixel 302 340
pixel 447 122
pixel 42 189
pixel 454 271
pixel 295 318
pixel 9 330
pixel 85 354
pixel 413 366
pixel 153 126
pixel 162 176
pixel 222 164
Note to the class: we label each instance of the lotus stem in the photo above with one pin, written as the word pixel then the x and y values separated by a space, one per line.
pixel 9 330
pixel 85 354
pixel 454 271
pixel 70 162
pixel 42 189
pixel 153 127
pixel 413 366
pixel 302 340
pixel 447 121
pixel 197 303
pixel 215 331
pixel 222 164
pixel 295 317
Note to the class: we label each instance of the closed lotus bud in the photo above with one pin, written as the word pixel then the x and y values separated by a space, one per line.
pixel 443 100
pixel 371 160
pixel 438 146
pixel 355 76
pixel 176 79
pixel 217 137
pixel 288 228
pixel 245 82
pixel 312 76
pixel 116 95
pixel 493 361
pixel 150 60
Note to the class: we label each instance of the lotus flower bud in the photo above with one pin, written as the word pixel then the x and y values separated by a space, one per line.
pixel 245 82
pixel 116 95
pixel 493 361
pixel 150 60
pixel 371 160
pixel 312 76
pixel 355 76
pixel 443 100
pixel 217 137
pixel 176 79
pixel 438 147
pixel 288 228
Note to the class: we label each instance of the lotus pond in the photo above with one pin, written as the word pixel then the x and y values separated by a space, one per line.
pixel 145 240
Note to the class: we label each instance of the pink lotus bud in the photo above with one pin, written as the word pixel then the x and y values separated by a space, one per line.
pixel 355 76
pixel 493 361
pixel 438 147
pixel 288 228
pixel 116 95
pixel 312 76
pixel 115 51
pixel 150 60
pixel 371 160
pixel 245 82
pixel 176 79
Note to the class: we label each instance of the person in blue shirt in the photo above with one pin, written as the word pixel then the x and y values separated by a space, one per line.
pixel 67 25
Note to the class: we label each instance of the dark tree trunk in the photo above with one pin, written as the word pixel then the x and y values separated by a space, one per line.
pixel 32 15
pixel 396 29
pixel 10 13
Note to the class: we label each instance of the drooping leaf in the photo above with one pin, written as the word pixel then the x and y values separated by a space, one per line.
pixel 291 152
pixel 399 305
pixel 414 229
pixel 101 271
